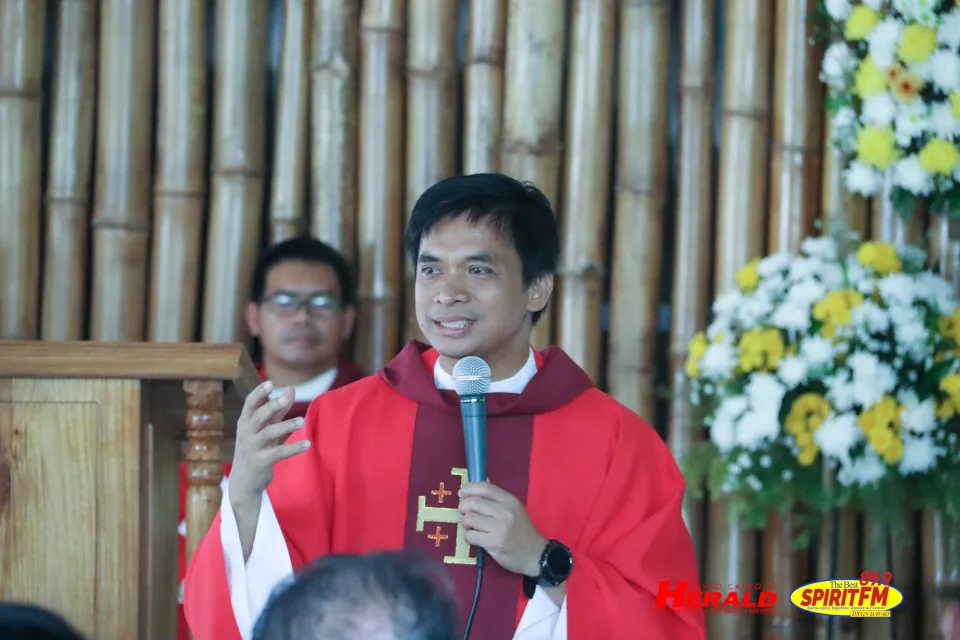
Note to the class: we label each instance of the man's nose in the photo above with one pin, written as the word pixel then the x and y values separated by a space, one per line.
pixel 452 290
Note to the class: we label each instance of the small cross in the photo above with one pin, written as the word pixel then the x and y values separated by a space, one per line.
pixel 437 537
pixel 440 493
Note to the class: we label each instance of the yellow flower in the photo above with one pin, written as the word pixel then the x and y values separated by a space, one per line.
pixel 835 310
pixel 877 146
pixel 917 43
pixel 881 424
pixel 950 385
pixel 860 23
pixel 955 102
pixel 806 415
pixel 869 78
pixel 761 349
pixel 949 326
pixel 697 347
pixel 881 256
pixel 939 156
pixel 748 277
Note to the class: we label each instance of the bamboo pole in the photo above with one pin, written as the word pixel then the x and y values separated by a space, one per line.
pixel 586 185
pixel 692 253
pixel 333 126
pixel 795 172
pixel 483 86
pixel 380 210
pixel 641 183
pixel 888 226
pixel 238 166
pixel 121 215
pixel 533 106
pixel 287 190
pixel 841 209
pixel 741 234
pixel 180 184
pixel 431 114
pixel 21 66
pixel 70 172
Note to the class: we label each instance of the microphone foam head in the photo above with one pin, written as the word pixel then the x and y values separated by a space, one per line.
pixel 471 377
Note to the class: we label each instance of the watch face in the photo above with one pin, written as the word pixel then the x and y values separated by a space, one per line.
pixel 559 561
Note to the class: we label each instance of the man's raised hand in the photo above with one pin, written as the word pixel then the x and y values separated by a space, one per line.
pixel 261 434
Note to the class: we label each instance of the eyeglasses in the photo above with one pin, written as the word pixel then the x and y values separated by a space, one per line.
pixel 286 305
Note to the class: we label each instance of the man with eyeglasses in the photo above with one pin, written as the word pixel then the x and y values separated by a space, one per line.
pixel 301 313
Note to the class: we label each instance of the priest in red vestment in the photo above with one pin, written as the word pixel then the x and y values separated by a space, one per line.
pixel 580 517
pixel 301 312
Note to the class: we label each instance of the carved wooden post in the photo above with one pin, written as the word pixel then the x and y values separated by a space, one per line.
pixel 204 462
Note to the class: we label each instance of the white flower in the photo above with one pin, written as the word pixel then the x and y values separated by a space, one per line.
pixel 838 65
pixel 756 428
pixel 871 378
pixel 773 264
pixel 792 371
pixel 718 361
pixel 948 34
pixel 722 428
pixel 870 317
pixel 918 417
pixel 921 11
pixel 792 317
pixel 863 179
pixel 863 471
pixel 945 70
pixel 897 289
pixel 754 309
pixel 837 435
pixel 876 5
pixel 840 390
pixel 919 454
pixel 908 174
pixel 817 351
pixel 911 122
pixel 942 123
pixel 832 276
pixel 935 291
pixel 824 247
pixel 727 303
pixel 765 393
pixel 879 110
pixel 883 40
pixel 839 10
pixel 805 267
pixel 806 292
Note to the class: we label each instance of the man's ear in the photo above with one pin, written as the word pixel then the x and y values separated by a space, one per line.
pixel 252 316
pixel 538 293
pixel 349 322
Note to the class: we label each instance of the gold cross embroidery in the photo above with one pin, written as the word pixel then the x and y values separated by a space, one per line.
pixel 445 515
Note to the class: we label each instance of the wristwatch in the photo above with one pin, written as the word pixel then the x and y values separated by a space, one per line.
pixel 556 564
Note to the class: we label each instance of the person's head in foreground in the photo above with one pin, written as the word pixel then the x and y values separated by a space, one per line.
pixel 378 596
pixel 485 248
pixel 301 309
pixel 30 622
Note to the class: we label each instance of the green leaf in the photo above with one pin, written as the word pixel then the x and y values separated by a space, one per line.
pixel 903 202
pixel 928 383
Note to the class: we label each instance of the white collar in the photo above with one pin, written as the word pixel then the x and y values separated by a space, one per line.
pixel 514 384
pixel 309 390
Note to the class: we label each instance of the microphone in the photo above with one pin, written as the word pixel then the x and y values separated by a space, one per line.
pixel 471 379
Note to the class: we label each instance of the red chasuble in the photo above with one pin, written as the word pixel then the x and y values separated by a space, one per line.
pixel 388 459
pixel 347 372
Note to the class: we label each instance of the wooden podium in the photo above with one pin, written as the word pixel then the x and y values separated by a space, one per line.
pixel 91 438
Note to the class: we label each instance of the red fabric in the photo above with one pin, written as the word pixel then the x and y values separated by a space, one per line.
pixel 600 480
pixel 347 372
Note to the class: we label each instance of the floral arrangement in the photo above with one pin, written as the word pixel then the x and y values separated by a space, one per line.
pixel 831 378
pixel 892 72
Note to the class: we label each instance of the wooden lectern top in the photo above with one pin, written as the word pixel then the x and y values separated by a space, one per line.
pixel 130 360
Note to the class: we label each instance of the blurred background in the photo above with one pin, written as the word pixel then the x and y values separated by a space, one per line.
pixel 149 149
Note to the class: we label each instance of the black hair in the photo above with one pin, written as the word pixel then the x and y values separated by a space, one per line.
pixel 30 622
pixel 304 249
pixel 336 597
pixel 517 209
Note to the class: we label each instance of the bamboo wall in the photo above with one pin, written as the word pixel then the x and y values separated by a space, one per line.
pixel 149 149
